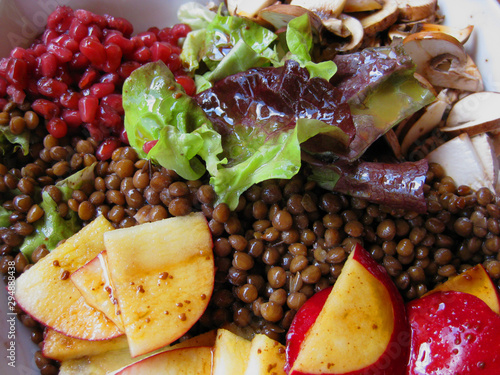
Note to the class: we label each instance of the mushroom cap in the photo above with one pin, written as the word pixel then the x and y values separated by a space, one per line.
pixel 280 14
pixel 381 19
pixel 442 59
pixel 248 9
pixel 476 113
pixel 416 10
pixel 402 30
pixel 325 9
pixel 355 30
pixel 352 6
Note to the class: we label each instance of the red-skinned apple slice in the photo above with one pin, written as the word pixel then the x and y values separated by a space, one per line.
pixel 453 333
pixel 361 328
pixel 474 281
pixel 163 274
pixel 47 294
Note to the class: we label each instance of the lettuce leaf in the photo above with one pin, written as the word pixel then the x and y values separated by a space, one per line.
pixel 158 109
pixel 9 141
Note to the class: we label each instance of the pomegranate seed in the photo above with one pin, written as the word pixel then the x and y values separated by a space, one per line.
pixel 126 69
pixel 160 51
pixel 88 106
pixel 106 148
pixel 51 87
pixel 63 75
pixel 187 84
pixel 17 72
pixel 70 99
pixel 180 30
pixel 142 55
pixel 45 108
pixel 16 93
pixel 114 101
pixel 154 30
pixel 124 136
pixel 4 63
pixel 84 16
pixel 126 45
pixel 93 50
pixel 57 127
pixel 108 117
pixel 66 41
pixel 3 87
pixel 77 30
pixel 113 78
pixel 95 32
pixel 63 54
pixel 165 35
pixel 146 147
pixel 71 117
pixel 147 37
pixel 79 61
pixel 3 102
pixel 48 64
pixel 32 88
pixel 114 57
pixel 48 35
pixel 138 43
pixel 60 19
pixel 39 49
pixel 174 62
pixel 120 24
pixel 100 21
pixel 88 78
pixel 100 90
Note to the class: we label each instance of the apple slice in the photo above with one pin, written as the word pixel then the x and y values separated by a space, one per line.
pixel 230 353
pixel 474 281
pixel 184 361
pixel 93 281
pixel 361 328
pixel 163 273
pixel 62 348
pixel 46 293
pixel 453 333
pixel 267 356
pixel 110 361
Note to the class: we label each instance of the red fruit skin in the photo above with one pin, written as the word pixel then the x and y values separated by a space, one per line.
pixel 394 360
pixel 453 333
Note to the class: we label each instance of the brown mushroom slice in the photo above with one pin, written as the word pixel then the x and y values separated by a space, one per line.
pixel 485 149
pixel 324 9
pixel 416 10
pixel 442 59
pixel 352 6
pixel 381 19
pixel 280 14
pixel 430 119
pixel 354 30
pixel 476 113
pixel 245 8
pixel 402 30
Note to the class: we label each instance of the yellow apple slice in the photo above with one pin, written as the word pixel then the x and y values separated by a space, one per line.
pixel 62 348
pixel 474 281
pixel 231 353
pixel 93 281
pixel 47 294
pixel 112 361
pixel 163 273
pixel 267 356
pixel 184 361
pixel 358 327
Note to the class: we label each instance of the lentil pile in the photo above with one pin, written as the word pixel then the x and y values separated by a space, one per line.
pixel 286 240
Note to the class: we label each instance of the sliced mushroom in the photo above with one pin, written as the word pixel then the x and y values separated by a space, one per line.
pixel 476 113
pixel 486 152
pixel 280 14
pixel 324 9
pixel 443 61
pixel 430 119
pixel 381 19
pixel 248 9
pixel 402 30
pixel 416 10
pixel 354 30
pixel 460 161
pixel 352 6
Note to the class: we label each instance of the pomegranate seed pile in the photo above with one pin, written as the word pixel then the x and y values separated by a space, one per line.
pixel 73 73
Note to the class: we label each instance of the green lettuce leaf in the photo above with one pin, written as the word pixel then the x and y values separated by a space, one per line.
pixel 8 139
pixel 196 15
pixel 4 217
pixel 157 109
